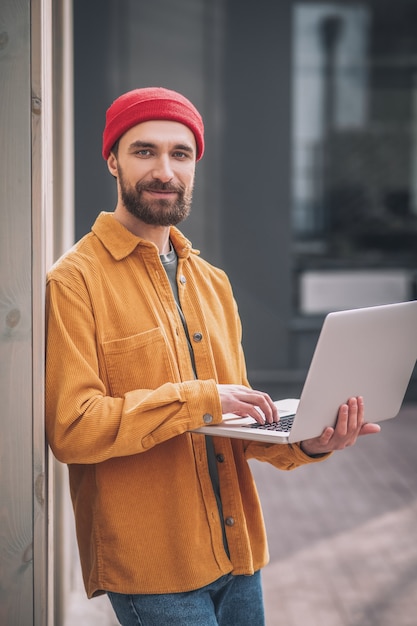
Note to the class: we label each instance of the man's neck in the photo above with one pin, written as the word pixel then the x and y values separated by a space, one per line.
pixel 159 235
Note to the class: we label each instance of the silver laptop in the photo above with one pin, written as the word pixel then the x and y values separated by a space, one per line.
pixel 369 352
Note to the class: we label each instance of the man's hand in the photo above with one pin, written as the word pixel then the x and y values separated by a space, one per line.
pixel 349 426
pixel 244 401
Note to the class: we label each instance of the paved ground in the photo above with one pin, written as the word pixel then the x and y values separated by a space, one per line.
pixel 342 536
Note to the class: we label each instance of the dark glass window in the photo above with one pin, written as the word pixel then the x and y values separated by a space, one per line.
pixel 354 163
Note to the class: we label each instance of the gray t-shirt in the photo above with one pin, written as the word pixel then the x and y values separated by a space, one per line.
pixel 170 263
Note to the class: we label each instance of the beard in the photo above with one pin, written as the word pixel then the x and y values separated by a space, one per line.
pixel 156 212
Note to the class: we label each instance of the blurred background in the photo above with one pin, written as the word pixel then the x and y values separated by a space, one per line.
pixel 307 197
pixel 307 193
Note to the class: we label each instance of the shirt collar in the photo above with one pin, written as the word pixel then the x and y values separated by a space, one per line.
pixel 120 242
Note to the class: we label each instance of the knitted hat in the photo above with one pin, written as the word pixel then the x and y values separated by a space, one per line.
pixel 150 103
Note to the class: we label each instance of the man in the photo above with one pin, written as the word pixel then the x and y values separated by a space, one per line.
pixel 144 345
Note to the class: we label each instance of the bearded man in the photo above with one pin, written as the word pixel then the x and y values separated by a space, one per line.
pixel 143 348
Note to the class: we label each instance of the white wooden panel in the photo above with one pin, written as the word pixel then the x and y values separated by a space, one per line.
pixel 16 470
pixel 42 240
pixel 25 201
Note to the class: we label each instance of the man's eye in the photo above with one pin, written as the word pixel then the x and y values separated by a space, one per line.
pixel 180 155
pixel 143 152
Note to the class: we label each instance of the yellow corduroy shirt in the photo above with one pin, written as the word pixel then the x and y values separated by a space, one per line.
pixel 120 404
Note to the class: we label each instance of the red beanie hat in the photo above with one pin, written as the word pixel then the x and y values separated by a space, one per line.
pixel 150 103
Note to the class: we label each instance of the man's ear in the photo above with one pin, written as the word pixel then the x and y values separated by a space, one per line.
pixel 112 164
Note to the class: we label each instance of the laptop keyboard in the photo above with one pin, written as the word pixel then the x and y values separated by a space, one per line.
pixel 284 425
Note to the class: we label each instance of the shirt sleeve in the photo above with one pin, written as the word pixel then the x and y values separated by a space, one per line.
pixel 84 423
pixel 282 456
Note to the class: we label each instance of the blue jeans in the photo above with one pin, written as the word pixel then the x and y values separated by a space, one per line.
pixel 229 601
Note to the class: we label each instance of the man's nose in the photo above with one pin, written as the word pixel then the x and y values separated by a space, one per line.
pixel 163 170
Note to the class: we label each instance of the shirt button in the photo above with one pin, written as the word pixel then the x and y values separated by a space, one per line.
pixel 197 336
pixel 207 418
pixel 183 280
pixel 229 521
pixel 220 458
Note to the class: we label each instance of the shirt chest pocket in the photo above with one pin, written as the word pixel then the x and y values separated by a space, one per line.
pixel 140 361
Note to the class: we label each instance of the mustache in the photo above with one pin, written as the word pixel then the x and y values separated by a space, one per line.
pixel 157 185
